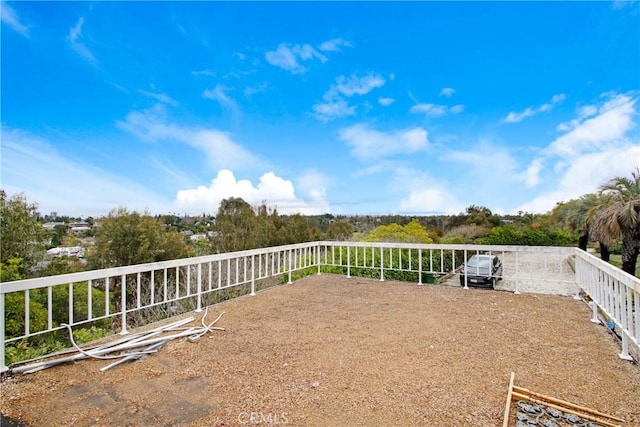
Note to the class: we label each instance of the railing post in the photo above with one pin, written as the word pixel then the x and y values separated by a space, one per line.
pixel 199 298
pixel 253 276
pixel 348 262
pixel 123 302
pixel 464 270
pixel 318 256
pixel 381 264
pixel 70 302
pixel 626 322
pixel 420 266
pixel 517 291
pixel 594 314
pixel 3 365
pixel 290 266
pixel 625 347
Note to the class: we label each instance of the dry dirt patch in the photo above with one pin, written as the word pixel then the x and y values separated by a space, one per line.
pixel 332 351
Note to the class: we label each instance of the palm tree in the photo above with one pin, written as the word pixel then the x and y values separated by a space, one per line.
pixel 577 220
pixel 580 215
pixel 619 216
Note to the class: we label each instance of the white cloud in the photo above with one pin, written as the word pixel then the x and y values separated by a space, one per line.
pixel 288 57
pixel 425 196
pixel 514 117
pixel 614 119
pixel 531 176
pixel 334 45
pixel 160 97
pixel 219 148
pixel 10 17
pixel 385 102
pixel 75 37
pixel 434 110
pixel 334 109
pixel 355 85
pixel 489 172
pixel 59 183
pixel 431 110
pixel 219 94
pixel 595 147
pixel 368 144
pixel 583 113
pixel 430 200
pixel 334 105
pixel 259 88
pixel 484 156
pixel 584 175
pixel 276 191
pixel 447 91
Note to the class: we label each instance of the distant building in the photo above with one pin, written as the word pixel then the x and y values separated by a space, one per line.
pixel 77 251
pixel 51 225
pixel 79 227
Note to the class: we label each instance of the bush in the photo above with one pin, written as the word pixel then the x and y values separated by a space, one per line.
pixel 509 235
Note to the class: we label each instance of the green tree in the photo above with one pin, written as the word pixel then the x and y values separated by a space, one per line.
pixel 57 235
pixel 21 235
pixel 235 224
pixel 297 229
pixel 413 232
pixel 127 238
pixel 579 216
pixel 619 216
pixel 340 230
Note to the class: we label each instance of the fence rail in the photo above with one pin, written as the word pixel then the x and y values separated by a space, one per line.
pixel 118 295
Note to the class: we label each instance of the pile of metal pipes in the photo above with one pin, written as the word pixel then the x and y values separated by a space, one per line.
pixel 129 348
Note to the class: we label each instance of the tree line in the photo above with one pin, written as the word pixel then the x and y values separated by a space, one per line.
pixel 609 218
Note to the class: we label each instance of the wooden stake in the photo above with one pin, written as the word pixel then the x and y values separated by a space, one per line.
pixel 566 404
pixel 507 407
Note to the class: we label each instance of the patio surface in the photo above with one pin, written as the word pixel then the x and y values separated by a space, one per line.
pixel 333 351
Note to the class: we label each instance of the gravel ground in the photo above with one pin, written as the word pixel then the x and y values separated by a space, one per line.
pixel 331 351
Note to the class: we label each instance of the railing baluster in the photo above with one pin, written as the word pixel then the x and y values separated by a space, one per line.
pixel 27 314
pixel 165 285
pixel 188 280
pixel 253 277
pixel 123 304
pixel 138 290
pixel 199 291
pixel 89 301
pixel 381 263
pixel 210 271
pixel 50 307
pixel 420 266
pixel 107 308
pixel 71 303
pixel 153 287
pixel 177 283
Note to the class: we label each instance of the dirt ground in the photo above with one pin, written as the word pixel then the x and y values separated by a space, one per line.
pixel 332 351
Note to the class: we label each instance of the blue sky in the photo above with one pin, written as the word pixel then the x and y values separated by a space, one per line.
pixel 317 107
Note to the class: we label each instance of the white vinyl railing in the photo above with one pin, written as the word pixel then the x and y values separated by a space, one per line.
pixel 615 293
pixel 117 295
